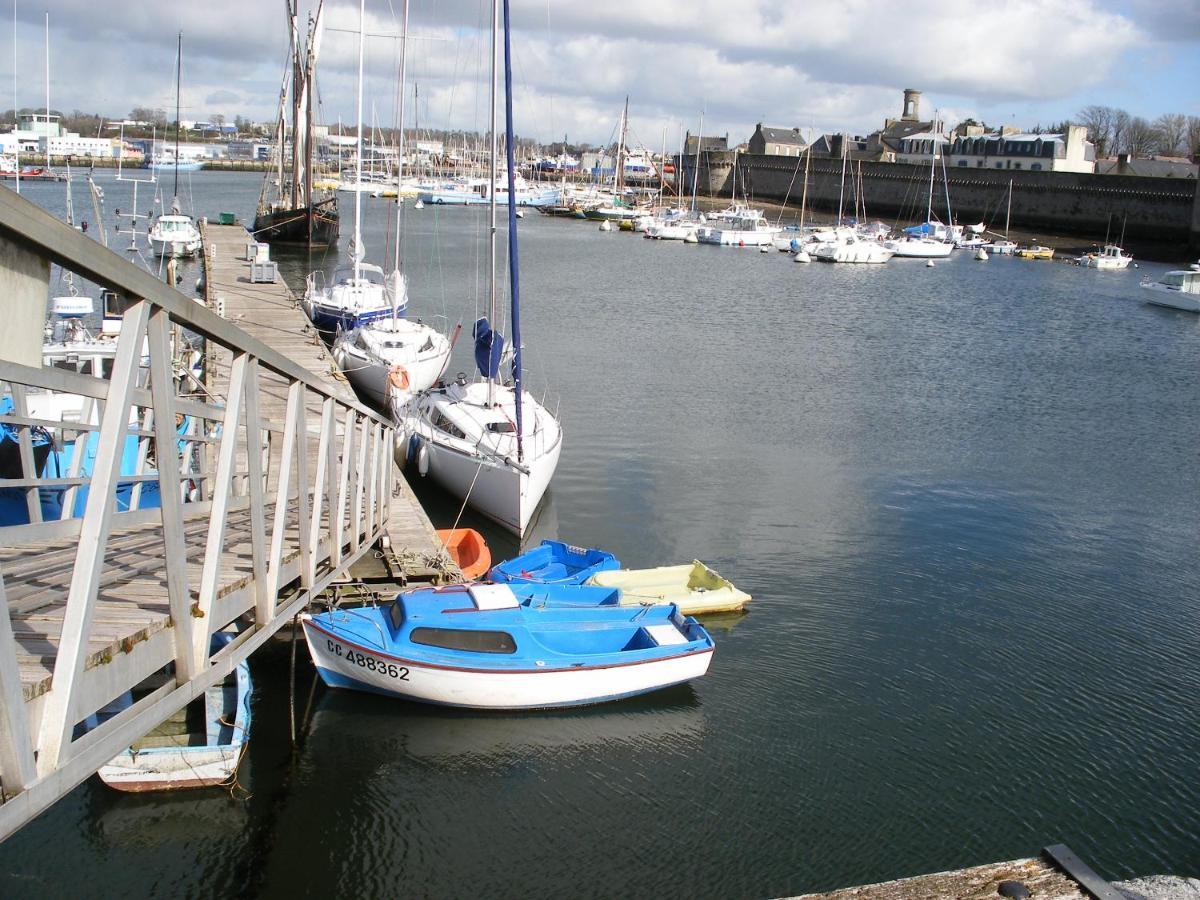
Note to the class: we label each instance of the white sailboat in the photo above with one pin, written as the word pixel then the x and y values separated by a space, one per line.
pixel 173 233
pixel 357 293
pixel 393 353
pixel 487 441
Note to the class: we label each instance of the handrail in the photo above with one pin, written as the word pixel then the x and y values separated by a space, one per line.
pixel 30 226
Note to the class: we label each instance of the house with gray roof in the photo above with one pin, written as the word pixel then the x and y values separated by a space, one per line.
pixel 768 141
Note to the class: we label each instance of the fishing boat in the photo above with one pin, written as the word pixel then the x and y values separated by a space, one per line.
pixel 488 441
pixel 1179 289
pixel 200 746
pixel 1109 257
pixel 174 234
pixel 502 646
pixel 468 549
pixel 553 562
pixel 291 211
pixel 696 589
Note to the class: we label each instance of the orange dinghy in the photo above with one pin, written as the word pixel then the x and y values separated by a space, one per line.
pixel 469 551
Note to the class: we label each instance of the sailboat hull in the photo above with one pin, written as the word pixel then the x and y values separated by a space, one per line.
pixel 291 227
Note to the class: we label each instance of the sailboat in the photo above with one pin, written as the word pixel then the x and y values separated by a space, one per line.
pixel 295 215
pixel 393 353
pixel 1005 247
pixel 844 244
pixel 487 441
pixel 931 239
pixel 357 293
pixel 174 234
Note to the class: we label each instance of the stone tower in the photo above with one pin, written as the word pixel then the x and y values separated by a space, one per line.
pixel 912 106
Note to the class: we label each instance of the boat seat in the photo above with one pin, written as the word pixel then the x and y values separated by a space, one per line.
pixel 493 596
pixel 665 635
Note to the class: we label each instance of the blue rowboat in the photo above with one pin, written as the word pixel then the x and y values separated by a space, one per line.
pixel 553 562
pixel 507 646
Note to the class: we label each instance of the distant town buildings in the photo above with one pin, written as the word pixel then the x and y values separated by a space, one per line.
pixel 776 141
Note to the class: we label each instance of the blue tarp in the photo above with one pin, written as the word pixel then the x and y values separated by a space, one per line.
pixel 489 348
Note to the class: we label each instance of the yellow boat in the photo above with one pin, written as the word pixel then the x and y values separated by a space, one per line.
pixel 1037 251
pixel 696 588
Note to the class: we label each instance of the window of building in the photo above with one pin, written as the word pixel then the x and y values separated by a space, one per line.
pixel 1037 167
pixel 999 165
pixel 1016 165
pixel 963 162
pixel 464 640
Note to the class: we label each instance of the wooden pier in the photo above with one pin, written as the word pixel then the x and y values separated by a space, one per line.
pixel 270 313
pixel 271 486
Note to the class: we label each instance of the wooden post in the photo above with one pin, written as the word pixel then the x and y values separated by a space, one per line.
pixel 17 766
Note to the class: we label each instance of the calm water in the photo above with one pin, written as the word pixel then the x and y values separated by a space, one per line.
pixel 965 500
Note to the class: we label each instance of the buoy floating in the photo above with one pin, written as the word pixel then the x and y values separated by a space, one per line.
pixel 929 263
pixel 802 257
pixel 606 226
pixel 418 205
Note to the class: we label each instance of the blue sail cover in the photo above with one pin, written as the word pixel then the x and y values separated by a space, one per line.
pixel 489 348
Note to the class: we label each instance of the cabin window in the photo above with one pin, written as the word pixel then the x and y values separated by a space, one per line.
pixel 396 614
pixel 467 641
pixel 441 423
pixel 501 427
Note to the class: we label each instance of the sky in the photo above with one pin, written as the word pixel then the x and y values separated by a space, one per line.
pixel 822 67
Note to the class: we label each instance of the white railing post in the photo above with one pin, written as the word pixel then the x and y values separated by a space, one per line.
pixel 282 489
pixel 222 495
pixel 166 451
pixel 263 603
pixel 322 480
pixel 361 474
pixel 344 484
pixel 33 502
pixel 57 718
pixel 17 767
pixel 307 565
pixel 372 515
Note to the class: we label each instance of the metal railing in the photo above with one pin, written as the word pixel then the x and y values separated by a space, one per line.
pixel 263 500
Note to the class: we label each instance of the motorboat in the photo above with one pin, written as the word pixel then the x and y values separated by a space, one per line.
pixel 468 549
pixel 391 353
pixel 743 228
pixel 507 646
pixel 696 589
pixel 553 562
pixel 1178 289
pixel 463 436
pixel 1108 257
pixel 1003 248
pixel 175 235
pixel 1036 251
pixel 199 746
pixel 847 246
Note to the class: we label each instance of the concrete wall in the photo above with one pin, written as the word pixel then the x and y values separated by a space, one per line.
pixel 1163 212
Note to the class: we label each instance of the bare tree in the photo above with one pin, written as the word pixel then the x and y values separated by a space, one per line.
pixel 1193 137
pixel 1172 133
pixel 1098 120
pixel 1141 138
pixel 1120 132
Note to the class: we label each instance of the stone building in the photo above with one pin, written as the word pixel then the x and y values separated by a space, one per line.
pixel 768 141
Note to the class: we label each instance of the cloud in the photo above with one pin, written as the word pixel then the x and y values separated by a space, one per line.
pixel 222 98
pixel 824 66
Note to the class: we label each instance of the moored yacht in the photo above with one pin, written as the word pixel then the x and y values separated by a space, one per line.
pixel 1110 257
pixel 1179 289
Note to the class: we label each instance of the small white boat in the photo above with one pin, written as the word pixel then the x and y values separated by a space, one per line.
pixel 1179 289
pixel 920 248
pixel 1110 257
pixel 1004 248
pixel 848 247
pixel 695 588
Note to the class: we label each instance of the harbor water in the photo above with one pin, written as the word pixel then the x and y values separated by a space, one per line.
pixel 965 499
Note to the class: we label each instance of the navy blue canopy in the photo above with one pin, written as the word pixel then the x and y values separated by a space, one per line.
pixel 489 348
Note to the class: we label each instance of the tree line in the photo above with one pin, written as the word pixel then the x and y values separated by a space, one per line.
pixel 1115 131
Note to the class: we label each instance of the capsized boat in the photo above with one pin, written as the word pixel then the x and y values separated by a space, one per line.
pixel 200 746
pixel 696 589
pixel 468 549
pixel 553 562
pixel 507 646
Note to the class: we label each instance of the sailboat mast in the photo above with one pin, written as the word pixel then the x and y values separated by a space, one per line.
pixel 932 166
pixel 619 171
pixel 358 253
pixel 696 168
pixel 47 92
pixel 514 269
pixel 400 137
pixel 1008 212
pixel 842 185
pixel 804 192
pixel 16 118
pixel 178 74
pixel 492 199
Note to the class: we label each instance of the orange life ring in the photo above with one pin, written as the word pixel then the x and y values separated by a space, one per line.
pixel 398 378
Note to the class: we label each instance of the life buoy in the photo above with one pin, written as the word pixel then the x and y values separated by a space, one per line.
pixel 398 378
